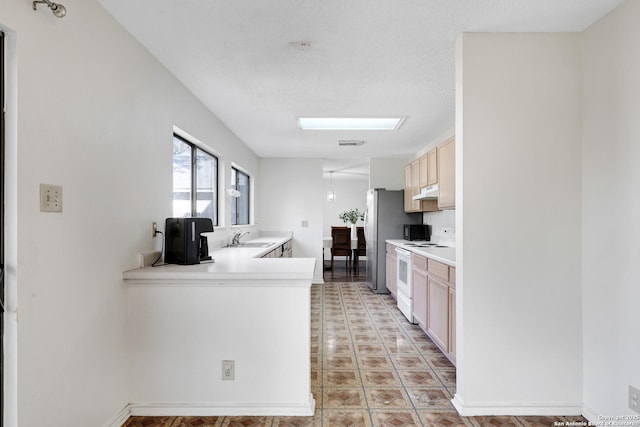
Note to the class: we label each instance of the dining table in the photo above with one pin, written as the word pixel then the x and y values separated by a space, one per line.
pixel 328 241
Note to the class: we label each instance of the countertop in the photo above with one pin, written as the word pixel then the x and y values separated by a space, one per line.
pixel 443 255
pixel 234 263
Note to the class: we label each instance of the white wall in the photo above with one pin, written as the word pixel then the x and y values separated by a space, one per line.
pixel 611 209
pixel 264 328
pixel 438 220
pixel 518 143
pixel 95 115
pixel 290 192
pixel 351 193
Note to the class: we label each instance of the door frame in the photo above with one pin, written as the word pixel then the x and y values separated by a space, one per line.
pixel 10 334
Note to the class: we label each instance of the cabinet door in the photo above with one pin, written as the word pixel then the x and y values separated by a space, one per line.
pixel 415 185
pixel 452 324
pixel 391 272
pixel 420 298
pixel 438 312
pixel 432 167
pixel 408 189
pixel 424 170
pixel 447 174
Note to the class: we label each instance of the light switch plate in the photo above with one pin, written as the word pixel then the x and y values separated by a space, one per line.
pixel 50 198
pixel 228 370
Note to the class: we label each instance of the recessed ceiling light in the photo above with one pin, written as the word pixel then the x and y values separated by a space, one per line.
pixel 349 123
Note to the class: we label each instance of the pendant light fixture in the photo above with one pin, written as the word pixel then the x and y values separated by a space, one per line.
pixel 331 195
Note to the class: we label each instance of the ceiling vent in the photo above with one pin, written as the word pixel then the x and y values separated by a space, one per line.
pixel 300 45
pixel 350 143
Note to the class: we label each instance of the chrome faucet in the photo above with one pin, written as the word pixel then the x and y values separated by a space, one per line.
pixel 237 237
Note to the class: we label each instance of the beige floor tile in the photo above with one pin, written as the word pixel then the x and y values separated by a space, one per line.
pixel 350 398
pixel 409 362
pixel 395 418
pixel 369 348
pixel 493 421
pixel 339 362
pixel 443 418
pixel 420 378
pixel 388 398
pixel 247 421
pixel 315 421
pixel 341 379
pixel 374 362
pixel 437 398
pixel 149 422
pixel 380 378
pixel 197 422
pixel 346 418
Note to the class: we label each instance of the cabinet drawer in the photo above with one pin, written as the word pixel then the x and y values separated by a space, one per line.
pixel 418 262
pixel 452 277
pixel 438 269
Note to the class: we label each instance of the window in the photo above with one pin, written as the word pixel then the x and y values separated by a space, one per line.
pixel 240 205
pixel 195 181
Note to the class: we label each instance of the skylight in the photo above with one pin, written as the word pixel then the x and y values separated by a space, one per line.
pixel 349 123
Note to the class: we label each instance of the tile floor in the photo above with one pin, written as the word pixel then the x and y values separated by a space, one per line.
pixel 370 367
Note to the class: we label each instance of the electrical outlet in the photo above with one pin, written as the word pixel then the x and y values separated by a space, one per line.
pixel 154 229
pixel 50 198
pixel 228 370
pixel 634 399
pixel 447 231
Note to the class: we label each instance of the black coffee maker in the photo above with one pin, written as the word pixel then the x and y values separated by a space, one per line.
pixel 183 243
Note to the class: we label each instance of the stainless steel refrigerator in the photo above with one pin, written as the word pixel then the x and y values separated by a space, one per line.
pixel 384 219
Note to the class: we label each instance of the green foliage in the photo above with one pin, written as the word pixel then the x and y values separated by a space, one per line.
pixel 351 216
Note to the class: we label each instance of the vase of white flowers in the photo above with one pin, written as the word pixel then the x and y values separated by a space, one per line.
pixel 350 218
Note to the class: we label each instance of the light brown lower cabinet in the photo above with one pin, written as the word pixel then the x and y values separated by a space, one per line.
pixel 441 306
pixel 392 270
pixel 452 325
pixel 419 282
pixel 282 251
pixel 438 320
pixel 434 298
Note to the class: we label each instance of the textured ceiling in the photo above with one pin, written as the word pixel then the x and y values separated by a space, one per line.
pixel 367 58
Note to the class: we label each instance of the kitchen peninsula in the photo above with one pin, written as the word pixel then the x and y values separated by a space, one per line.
pixel 185 320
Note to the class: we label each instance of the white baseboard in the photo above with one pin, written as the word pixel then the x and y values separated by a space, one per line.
pixel 516 409
pixel 591 415
pixel 120 418
pixel 228 409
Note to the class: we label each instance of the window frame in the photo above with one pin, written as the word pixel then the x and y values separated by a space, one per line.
pixel 235 200
pixel 195 148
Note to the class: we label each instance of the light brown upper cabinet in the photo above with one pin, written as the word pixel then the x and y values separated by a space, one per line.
pixel 446 159
pixel 432 167
pixel 410 205
pixel 413 175
pixel 424 170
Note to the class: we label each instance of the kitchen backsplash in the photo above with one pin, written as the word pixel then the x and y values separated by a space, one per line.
pixel 443 225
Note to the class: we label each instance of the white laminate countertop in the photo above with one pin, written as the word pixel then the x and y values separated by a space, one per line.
pixel 235 263
pixel 443 255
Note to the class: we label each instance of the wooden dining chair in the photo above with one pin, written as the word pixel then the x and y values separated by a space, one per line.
pixel 361 250
pixel 341 244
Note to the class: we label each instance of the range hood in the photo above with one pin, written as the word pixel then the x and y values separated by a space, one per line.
pixel 427 193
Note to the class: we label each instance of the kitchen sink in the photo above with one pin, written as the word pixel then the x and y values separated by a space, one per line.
pixel 251 245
